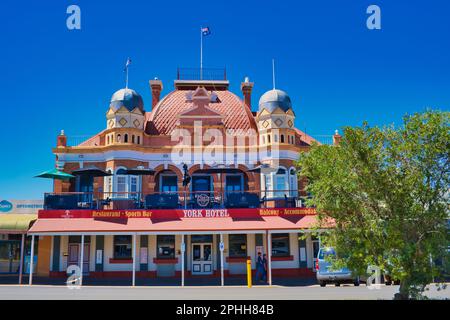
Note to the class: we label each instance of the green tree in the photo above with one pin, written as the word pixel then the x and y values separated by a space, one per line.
pixel 387 190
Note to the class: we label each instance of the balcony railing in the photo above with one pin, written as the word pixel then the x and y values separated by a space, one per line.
pixel 202 74
pixel 173 200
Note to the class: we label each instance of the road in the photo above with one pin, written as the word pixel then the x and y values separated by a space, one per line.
pixel 313 292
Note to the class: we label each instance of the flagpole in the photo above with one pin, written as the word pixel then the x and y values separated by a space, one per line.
pixel 126 81
pixel 201 53
pixel 273 73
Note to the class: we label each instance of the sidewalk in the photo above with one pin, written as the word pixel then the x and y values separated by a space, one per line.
pixel 229 281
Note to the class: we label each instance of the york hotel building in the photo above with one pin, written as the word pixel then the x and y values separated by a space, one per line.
pixel 127 213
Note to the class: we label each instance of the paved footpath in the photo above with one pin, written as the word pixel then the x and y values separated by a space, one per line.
pixel 313 292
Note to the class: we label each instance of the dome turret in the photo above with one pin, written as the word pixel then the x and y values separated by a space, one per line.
pixel 127 98
pixel 273 99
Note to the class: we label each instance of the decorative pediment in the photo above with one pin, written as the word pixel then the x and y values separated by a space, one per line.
pixel 200 109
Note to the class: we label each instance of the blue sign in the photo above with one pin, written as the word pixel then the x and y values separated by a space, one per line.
pixel 5 206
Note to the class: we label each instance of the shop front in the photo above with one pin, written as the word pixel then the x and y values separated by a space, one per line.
pixel 16 216
pixel 192 243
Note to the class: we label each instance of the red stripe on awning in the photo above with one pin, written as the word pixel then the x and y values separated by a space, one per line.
pixel 86 225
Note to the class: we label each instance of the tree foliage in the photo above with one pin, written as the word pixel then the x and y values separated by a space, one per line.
pixel 387 190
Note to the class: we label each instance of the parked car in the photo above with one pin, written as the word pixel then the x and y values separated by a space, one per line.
pixel 325 274
pixel 388 280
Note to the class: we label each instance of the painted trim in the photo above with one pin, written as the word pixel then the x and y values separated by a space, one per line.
pixel 237 259
pixel 285 258
pixel 56 252
pixel 165 261
pixel 120 261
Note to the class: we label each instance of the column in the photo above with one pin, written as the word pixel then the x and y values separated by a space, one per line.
pixel 31 261
pixel 183 249
pixel 221 246
pixel 81 259
pixel 22 244
pixel 134 260
pixel 269 257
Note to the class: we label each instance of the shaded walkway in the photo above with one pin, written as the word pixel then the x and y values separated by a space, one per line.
pixel 191 281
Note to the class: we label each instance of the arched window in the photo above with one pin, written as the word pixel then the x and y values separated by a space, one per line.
pixel 119 138
pixel 268 138
pixel 125 138
pixel 138 140
pixel 108 187
pixel 132 139
pixel 126 186
pixel 293 183
pixel 280 182
pixel 282 138
pixel 121 187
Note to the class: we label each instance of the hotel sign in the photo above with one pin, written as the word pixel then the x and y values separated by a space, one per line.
pixel 162 214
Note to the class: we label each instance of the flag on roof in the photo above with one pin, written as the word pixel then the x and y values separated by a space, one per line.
pixel 128 63
pixel 205 31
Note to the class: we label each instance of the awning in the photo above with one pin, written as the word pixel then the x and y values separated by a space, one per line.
pixel 16 223
pixel 91 171
pixel 55 174
pixel 180 225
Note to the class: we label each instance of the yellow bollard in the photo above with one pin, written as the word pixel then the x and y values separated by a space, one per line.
pixel 249 273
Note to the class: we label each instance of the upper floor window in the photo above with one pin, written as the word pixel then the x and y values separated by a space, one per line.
pixel 282 138
pixel 293 183
pixel 169 183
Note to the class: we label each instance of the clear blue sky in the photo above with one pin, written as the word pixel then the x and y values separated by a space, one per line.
pixel 336 71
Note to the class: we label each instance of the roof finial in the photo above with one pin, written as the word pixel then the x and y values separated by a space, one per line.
pixel 273 73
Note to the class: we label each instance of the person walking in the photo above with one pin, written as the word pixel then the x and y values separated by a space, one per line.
pixel 264 262
pixel 259 268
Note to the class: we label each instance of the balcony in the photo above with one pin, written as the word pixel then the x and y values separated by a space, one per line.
pixel 208 74
pixel 173 200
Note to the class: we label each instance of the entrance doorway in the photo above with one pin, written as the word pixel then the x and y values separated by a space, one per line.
pixel 202 258
pixel 9 256
pixel 74 256
pixel 202 196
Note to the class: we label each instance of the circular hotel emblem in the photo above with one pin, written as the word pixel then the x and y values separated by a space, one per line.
pixel 202 200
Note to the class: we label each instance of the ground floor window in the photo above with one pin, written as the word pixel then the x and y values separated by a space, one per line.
pixel 280 244
pixel 122 247
pixel 237 244
pixel 165 246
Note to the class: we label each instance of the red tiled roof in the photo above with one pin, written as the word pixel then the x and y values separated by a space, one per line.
pixel 236 115
pixel 92 141
pixel 306 138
